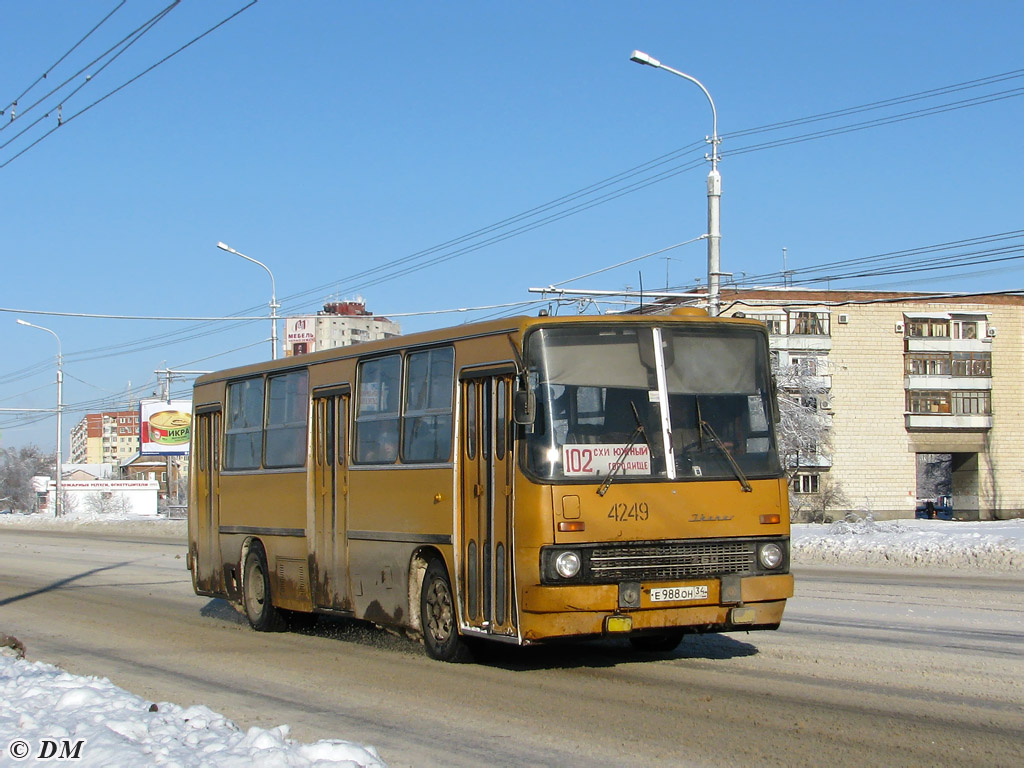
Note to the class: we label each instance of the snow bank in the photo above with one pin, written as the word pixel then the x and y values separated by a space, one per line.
pixel 100 523
pixel 990 545
pixel 41 704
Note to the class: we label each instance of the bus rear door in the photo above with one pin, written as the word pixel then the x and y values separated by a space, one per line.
pixel 207 562
pixel 330 499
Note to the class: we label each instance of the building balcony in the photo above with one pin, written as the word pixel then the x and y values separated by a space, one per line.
pixel 960 383
pixel 947 421
pixel 806 461
pixel 801 342
pixel 946 344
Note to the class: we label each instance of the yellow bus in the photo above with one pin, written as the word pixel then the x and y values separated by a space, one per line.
pixel 515 480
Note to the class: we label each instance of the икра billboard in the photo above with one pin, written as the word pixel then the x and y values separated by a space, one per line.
pixel 165 427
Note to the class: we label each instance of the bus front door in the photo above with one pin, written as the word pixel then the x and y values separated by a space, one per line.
pixel 208 573
pixel 330 501
pixel 487 457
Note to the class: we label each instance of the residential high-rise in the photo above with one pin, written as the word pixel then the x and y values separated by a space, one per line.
pixel 340 324
pixel 109 437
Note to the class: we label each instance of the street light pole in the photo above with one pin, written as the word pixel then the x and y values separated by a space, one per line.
pixel 273 296
pixel 58 504
pixel 714 187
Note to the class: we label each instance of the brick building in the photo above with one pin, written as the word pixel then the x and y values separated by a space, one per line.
pixel 906 381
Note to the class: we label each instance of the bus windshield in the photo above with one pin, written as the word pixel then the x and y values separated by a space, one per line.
pixel 676 402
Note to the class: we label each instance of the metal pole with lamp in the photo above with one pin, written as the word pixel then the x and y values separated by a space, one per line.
pixel 714 187
pixel 58 504
pixel 273 296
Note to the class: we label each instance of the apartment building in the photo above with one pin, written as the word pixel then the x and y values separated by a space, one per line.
pixel 903 381
pixel 340 324
pixel 109 437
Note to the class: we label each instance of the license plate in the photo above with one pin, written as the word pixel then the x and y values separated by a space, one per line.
pixel 671 594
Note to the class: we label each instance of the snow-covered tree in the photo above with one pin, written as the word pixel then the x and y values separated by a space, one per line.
pixel 17 468
pixel 804 427
pixel 805 439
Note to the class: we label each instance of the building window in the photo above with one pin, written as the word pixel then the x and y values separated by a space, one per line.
pixel 972 364
pixel 774 322
pixel 809 323
pixel 928 364
pixel 928 401
pixel 805 484
pixel 957 403
pixel 928 327
pixel 805 366
pixel 972 404
pixel 814 402
pixel 965 329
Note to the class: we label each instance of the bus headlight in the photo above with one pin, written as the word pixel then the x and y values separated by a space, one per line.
pixel 770 555
pixel 567 564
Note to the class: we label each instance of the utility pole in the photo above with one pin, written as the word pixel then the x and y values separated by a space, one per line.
pixel 714 187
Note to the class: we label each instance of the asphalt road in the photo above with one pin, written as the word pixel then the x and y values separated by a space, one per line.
pixel 870 668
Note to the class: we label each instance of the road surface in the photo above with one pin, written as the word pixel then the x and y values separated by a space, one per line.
pixel 870 668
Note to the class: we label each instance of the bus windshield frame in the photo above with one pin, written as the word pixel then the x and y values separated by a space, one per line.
pixel 671 402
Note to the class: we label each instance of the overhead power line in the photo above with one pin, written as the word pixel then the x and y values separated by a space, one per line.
pixel 14 103
pixel 64 121
pixel 613 187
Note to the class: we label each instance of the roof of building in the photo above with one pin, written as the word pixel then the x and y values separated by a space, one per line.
pixel 803 296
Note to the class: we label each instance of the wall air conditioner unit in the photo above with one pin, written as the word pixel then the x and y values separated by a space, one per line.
pixel 843 318
pixel 991 332
pixel 899 327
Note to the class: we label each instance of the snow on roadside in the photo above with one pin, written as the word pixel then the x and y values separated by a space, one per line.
pixel 46 711
pixel 141 525
pixel 989 545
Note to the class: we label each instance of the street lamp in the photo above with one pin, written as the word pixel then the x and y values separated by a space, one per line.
pixel 714 187
pixel 58 504
pixel 273 296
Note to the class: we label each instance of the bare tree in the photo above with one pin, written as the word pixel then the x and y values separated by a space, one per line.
pixel 817 507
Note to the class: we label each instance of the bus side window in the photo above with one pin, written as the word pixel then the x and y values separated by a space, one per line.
pixel 470 406
pixel 427 416
pixel 377 413
pixel 243 436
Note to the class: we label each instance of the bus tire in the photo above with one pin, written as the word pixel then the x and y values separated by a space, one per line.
pixel 660 642
pixel 256 599
pixel 438 617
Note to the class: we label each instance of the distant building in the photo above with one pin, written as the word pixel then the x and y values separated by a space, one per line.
pixel 340 324
pixel 908 381
pixel 109 437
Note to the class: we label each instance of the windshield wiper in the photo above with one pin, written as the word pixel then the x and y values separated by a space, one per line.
pixel 621 458
pixel 703 425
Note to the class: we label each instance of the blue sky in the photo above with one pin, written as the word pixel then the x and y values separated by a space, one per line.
pixel 328 138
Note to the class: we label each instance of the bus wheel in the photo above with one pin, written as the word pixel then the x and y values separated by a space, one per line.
pixel 259 609
pixel 438 617
pixel 661 642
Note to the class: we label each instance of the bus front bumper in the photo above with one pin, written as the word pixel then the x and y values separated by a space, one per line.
pixel 755 602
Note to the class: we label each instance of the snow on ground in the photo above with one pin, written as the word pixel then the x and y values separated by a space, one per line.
pixel 43 709
pixel 45 712
pixel 988 545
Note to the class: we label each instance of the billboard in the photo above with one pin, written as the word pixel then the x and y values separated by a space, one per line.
pixel 299 335
pixel 164 427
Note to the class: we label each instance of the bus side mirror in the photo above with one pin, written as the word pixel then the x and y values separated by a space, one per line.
pixel 524 407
